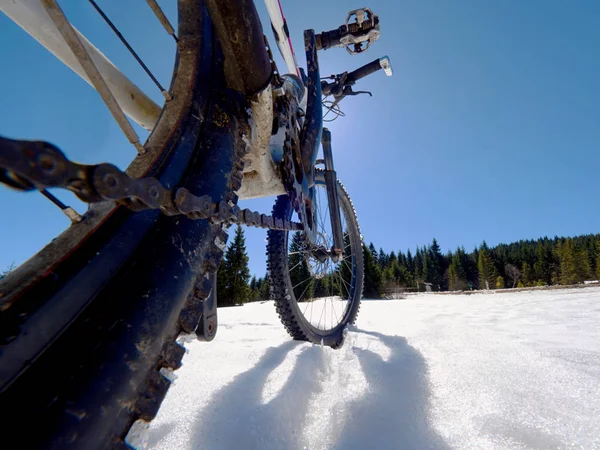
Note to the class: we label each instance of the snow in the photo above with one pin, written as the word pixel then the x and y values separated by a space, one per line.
pixel 504 370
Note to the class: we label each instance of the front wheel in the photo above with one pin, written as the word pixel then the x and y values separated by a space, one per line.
pixel 315 297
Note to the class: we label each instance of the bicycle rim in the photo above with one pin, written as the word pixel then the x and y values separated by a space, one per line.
pixel 315 298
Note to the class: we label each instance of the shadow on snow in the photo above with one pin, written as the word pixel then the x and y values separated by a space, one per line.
pixel 392 414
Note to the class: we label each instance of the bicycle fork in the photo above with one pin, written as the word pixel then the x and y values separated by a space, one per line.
pixel 332 196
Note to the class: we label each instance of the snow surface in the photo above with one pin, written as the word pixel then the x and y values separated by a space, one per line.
pixel 505 370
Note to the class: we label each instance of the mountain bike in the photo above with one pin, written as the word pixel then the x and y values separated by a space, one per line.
pixel 90 324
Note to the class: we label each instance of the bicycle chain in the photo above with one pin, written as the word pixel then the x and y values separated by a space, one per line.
pixel 30 165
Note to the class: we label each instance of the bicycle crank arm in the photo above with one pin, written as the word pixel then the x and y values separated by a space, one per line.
pixel 332 195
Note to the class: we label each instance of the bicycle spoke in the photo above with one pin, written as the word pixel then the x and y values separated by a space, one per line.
pixel 306 307
pixel 303 292
pixel 131 50
pixel 346 284
pixel 300 262
pixel 73 215
pixel 302 282
pixel 336 316
pixel 349 268
pixel 158 12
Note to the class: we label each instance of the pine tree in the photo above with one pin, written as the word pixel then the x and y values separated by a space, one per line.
pixel 545 263
pixel 254 289
pixel 373 277
pixel 426 257
pixel 401 276
pixel 527 276
pixel 436 268
pixel 457 271
pixel 223 283
pixel 461 260
pixel 472 272
pixel 374 253
pixel 567 262
pixel 418 267
pixel 487 271
pixel 597 255
pixel 453 277
pixel 392 258
pixel 582 264
pixel 383 259
pixel 410 262
pixel 232 285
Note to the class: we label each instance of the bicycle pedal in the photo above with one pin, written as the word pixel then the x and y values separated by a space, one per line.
pixel 364 29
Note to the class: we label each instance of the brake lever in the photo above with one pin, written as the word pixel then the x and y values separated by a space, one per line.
pixel 337 89
pixel 348 91
pixel 358 92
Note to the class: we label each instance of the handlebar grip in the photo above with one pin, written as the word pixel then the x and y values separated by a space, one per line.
pixel 329 39
pixel 363 71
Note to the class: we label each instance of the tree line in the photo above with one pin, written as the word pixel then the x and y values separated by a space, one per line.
pixel 526 263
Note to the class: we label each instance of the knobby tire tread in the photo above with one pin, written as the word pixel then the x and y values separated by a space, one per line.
pixel 280 286
pixel 106 329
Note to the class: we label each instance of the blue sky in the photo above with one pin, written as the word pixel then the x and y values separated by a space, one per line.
pixel 489 129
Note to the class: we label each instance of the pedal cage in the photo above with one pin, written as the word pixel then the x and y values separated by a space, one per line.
pixel 365 30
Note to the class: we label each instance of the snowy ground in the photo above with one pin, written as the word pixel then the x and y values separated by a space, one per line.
pixel 511 370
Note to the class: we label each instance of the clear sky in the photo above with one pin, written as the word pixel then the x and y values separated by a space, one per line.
pixel 489 129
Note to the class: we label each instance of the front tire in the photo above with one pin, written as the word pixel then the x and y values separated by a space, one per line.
pixel 336 289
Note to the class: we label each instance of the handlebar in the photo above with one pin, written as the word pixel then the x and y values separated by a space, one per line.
pixel 364 71
pixel 343 82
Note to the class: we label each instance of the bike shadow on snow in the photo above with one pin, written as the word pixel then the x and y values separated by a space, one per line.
pixel 395 411
pixel 392 414
pixel 237 418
